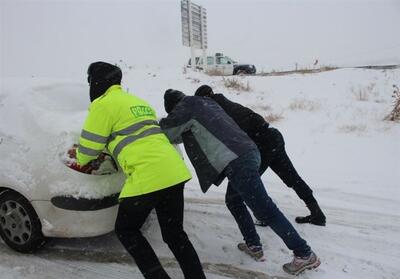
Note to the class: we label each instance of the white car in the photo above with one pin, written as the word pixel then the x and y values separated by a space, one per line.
pixel 39 196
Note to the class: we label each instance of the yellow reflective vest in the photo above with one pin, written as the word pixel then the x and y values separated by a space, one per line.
pixel 127 126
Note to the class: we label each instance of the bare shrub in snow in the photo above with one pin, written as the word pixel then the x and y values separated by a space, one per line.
pixel 303 104
pixel 194 80
pixel 394 115
pixel 263 107
pixel 364 93
pixel 235 83
pixel 273 117
pixel 353 128
pixel 267 111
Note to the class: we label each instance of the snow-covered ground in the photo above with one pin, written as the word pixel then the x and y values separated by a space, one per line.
pixel 336 137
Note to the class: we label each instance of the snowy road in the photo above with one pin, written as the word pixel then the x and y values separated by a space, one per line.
pixel 358 242
pixel 355 243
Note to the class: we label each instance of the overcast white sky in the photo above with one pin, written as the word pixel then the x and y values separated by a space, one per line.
pixel 60 38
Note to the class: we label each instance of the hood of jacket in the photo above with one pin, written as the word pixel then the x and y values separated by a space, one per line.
pixel 101 76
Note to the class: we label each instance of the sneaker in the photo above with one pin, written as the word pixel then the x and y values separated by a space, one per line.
pixel 256 252
pixel 299 264
pixel 261 223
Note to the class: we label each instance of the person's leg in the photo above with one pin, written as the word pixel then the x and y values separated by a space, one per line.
pixel 245 179
pixel 281 164
pixel 170 216
pixel 265 161
pixel 239 211
pixel 132 214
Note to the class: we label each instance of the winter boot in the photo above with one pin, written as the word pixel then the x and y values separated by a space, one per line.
pixel 253 251
pixel 317 217
pixel 300 264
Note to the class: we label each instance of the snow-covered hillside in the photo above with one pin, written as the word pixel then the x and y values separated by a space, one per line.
pixel 335 135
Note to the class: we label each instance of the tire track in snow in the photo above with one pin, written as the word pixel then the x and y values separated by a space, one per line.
pixel 106 257
pixel 73 263
pixel 335 215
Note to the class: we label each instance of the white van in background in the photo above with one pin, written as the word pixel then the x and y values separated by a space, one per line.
pixel 223 65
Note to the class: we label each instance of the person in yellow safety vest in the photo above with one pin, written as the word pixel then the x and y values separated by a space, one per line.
pixel 155 172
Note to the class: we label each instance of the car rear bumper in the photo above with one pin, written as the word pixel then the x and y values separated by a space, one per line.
pixel 57 222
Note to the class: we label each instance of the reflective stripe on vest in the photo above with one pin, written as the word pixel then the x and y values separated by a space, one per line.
pixel 132 129
pixel 89 151
pixel 94 137
pixel 124 132
pixel 130 139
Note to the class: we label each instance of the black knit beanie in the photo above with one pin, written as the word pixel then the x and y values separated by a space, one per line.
pixel 172 98
pixel 101 76
pixel 204 91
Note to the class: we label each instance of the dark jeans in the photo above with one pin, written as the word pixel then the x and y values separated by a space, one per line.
pixel 273 154
pixel 246 188
pixel 168 204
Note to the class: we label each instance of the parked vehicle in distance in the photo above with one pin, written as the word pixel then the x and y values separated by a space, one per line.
pixel 223 65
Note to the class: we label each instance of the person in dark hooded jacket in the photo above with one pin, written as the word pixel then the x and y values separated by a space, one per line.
pixel 218 148
pixel 271 145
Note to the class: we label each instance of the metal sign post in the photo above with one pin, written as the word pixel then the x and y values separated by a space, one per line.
pixel 203 16
pixel 194 30
pixel 191 36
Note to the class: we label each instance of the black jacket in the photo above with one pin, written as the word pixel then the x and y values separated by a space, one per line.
pixel 249 121
pixel 211 138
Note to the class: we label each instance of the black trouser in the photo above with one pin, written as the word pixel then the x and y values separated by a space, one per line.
pixel 168 204
pixel 273 154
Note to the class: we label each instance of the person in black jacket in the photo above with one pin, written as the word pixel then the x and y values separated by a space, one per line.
pixel 218 148
pixel 271 145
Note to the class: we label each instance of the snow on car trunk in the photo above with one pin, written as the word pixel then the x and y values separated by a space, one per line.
pixel 40 121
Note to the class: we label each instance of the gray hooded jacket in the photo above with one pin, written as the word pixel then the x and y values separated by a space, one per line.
pixel 211 138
